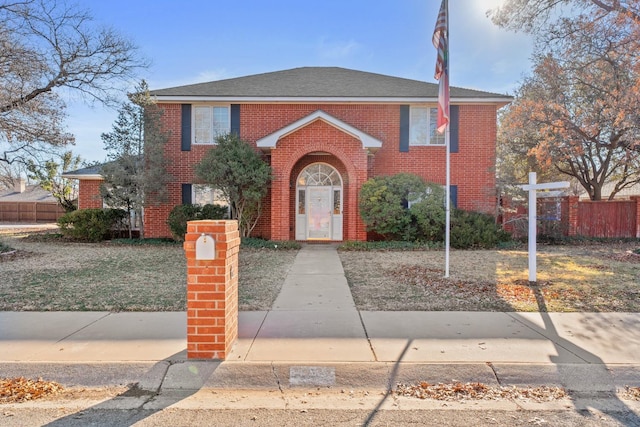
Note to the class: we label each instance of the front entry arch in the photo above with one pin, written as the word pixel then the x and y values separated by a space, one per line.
pixel 319 200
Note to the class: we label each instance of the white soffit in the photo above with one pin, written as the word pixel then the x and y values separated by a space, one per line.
pixel 270 141
pixel 85 177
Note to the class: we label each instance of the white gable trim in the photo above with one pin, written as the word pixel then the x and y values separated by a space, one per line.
pixel 86 177
pixel 368 142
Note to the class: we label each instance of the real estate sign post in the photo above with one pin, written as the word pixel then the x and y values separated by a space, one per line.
pixel 532 188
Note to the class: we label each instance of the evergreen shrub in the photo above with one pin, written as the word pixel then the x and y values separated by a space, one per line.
pixel 180 214
pixel 91 225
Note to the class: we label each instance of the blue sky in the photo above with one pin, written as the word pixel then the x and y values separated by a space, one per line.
pixel 192 41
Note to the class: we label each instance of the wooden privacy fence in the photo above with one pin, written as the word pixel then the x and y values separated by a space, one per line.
pixel 30 211
pixel 617 218
pixel 571 217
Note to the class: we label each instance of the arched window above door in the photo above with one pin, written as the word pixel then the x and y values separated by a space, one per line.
pixel 319 174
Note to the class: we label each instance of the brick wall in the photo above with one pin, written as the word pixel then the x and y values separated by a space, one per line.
pixel 472 168
pixel 89 194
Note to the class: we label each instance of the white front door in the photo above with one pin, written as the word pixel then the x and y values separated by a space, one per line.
pixel 319 208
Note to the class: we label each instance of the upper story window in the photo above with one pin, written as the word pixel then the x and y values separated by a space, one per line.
pixel 422 127
pixel 210 121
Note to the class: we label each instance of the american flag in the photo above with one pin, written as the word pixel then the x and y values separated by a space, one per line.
pixel 441 43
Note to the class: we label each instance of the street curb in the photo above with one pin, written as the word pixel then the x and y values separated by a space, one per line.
pixel 193 375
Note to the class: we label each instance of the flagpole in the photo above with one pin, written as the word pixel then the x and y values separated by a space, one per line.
pixel 440 41
pixel 447 222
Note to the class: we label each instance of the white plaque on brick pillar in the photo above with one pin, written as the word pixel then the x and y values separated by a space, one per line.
pixel 205 248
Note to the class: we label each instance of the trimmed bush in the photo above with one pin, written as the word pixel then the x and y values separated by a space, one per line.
pixel 180 214
pixel 475 230
pixel 214 212
pixel 384 201
pixel 91 225
pixel 429 215
pixel 404 207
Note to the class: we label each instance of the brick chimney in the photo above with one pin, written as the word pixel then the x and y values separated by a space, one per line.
pixel 20 185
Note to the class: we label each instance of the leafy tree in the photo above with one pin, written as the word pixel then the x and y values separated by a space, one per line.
pixel 135 176
pixel 48 175
pixel 236 169
pixel 47 46
pixel 578 113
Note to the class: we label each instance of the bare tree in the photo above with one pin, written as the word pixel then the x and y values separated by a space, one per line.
pixel 534 16
pixel 47 47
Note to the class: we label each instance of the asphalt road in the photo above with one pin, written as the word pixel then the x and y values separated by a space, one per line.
pixel 58 417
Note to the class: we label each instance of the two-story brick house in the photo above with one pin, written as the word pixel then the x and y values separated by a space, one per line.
pixel 325 131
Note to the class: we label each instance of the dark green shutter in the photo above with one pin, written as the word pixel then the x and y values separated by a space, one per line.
pixel 454 119
pixel 186 194
pixel 235 119
pixel 186 128
pixel 404 128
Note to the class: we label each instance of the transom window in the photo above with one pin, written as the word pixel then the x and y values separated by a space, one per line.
pixel 423 125
pixel 319 174
pixel 210 121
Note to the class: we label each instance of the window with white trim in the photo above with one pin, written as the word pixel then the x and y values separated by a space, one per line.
pixel 422 126
pixel 210 121
pixel 203 194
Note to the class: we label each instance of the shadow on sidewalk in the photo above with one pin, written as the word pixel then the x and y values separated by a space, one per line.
pixel 621 412
pixel 602 398
pixel 144 398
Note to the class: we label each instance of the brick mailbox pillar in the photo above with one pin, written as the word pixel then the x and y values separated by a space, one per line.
pixel 212 288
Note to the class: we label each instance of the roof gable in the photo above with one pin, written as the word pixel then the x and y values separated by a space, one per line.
pixel 87 173
pixel 368 142
pixel 330 83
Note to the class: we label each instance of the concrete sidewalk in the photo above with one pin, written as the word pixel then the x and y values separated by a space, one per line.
pixel 314 336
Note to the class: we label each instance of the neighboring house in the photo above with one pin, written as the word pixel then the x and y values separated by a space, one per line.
pixel 28 203
pixel 324 131
pixel 89 182
pixel 624 194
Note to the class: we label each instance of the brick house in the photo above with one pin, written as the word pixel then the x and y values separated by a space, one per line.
pixel 324 131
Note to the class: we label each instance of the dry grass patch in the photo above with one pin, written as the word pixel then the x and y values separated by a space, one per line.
pixel 53 275
pixel 262 273
pixel 570 278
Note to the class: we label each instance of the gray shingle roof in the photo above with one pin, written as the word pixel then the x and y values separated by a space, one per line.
pixel 90 172
pixel 32 193
pixel 313 82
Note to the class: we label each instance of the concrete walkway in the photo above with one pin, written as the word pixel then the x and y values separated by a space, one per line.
pixel 314 324
pixel 313 318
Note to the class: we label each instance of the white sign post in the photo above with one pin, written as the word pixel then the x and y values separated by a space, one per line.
pixel 532 187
